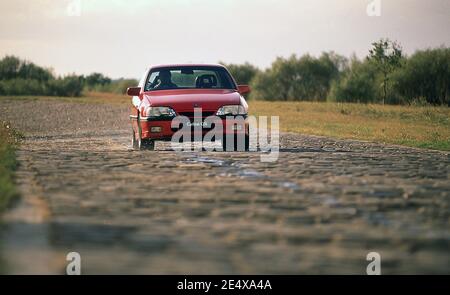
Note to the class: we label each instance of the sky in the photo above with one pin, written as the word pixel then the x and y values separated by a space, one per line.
pixel 121 38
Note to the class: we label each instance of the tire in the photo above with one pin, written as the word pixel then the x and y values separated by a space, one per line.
pixel 247 142
pixel 140 144
pixel 135 142
pixel 147 144
pixel 234 146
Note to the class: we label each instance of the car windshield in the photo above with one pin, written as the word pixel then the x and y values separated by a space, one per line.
pixel 189 77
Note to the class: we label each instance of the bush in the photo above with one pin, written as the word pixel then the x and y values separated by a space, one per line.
pixel 67 86
pixel 264 88
pixel 9 67
pixel 422 78
pixel 13 68
pixel 118 86
pixel 9 140
pixel 22 87
pixel 19 77
pixel 425 75
pixel 304 78
pixel 95 80
pixel 356 84
pixel 243 73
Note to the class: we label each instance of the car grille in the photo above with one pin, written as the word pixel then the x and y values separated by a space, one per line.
pixel 194 129
pixel 191 117
pixel 191 114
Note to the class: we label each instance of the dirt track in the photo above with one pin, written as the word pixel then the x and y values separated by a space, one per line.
pixel 319 209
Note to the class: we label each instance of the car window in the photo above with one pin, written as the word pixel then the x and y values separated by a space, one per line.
pixel 142 80
pixel 189 77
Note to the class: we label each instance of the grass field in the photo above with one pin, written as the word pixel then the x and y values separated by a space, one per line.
pixel 90 97
pixel 8 142
pixel 422 127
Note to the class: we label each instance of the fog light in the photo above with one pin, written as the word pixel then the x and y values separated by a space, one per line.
pixel 236 127
pixel 155 129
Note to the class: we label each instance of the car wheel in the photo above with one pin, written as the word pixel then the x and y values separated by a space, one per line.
pixel 142 144
pixel 247 142
pixel 147 144
pixel 234 146
pixel 135 142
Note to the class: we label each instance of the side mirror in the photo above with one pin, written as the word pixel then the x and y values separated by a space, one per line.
pixel 133 91
pixel 244 89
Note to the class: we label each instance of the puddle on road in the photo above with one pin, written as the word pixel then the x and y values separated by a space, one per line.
pixel 212 162
pixel 289 185
pixel 233 168
pixel 247 173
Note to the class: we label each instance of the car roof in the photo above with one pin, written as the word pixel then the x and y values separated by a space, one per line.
pixel 184 65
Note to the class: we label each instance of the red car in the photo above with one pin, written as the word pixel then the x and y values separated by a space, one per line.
pixel 170 92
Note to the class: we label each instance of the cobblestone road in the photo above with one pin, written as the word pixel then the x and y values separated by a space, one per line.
pixel 318 210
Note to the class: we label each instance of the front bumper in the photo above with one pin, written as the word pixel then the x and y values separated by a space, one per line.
pixel 161 129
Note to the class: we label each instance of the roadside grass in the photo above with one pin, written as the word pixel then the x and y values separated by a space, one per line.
pixel 9 140
pixel 414 126
pixel 89 97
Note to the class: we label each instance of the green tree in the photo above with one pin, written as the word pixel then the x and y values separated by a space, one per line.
pixel 118 86
pixel 31 71
pixel 242 73
pixel 96 79
pixel 12 67
pixel 303 78
pixel 9 67
pixel 357 83
pixel 424 76
pixel 387 56
pixel 71 85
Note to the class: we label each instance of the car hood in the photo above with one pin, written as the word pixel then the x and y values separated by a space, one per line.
pixel 188 99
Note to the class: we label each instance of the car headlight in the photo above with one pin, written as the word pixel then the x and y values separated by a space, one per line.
pixel 231 110
pixel 159 112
